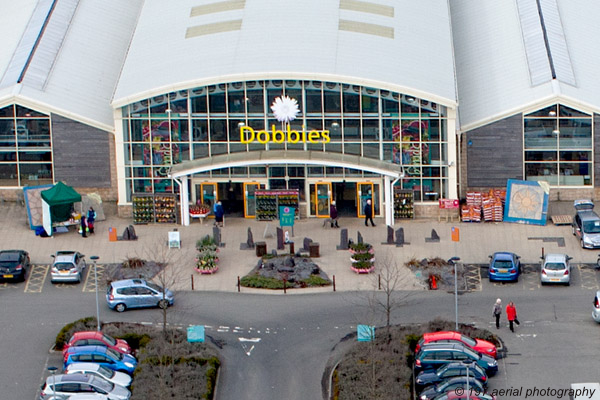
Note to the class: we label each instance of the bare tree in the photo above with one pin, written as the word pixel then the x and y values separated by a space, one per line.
pixel 389 279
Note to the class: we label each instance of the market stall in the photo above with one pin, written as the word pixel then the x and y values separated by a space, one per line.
pixel 57 206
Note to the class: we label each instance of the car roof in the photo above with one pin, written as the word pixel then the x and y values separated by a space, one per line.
pixel 90 348
pixel 128 282
pixel 503 255
pixel 441 346
pixel 83 366
pixel 87 335
pixel 79 378
pixel 555 257
pixel 441 335
pixel 11 255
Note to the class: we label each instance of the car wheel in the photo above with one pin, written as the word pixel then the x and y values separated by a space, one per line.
pixel 517 278
pixel 581 243
pixel 573 229
pixel 163 304
pixel 120 307
pixel 568 283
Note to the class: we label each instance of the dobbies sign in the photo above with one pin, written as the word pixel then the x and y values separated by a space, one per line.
pixel 249 135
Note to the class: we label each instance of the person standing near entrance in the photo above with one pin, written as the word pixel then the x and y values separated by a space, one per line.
pixel 511 315
pixel 369 213
pixel 333 215
pixel 219 213
pixel 498 312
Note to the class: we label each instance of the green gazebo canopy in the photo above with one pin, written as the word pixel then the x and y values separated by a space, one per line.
pixel 60 198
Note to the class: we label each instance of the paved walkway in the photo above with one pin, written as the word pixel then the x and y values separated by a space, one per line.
pixel 477 241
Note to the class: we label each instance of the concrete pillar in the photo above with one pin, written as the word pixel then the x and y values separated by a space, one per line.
pixel 388 201
pixel 184 201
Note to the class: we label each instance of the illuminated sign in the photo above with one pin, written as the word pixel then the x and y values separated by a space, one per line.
pixel 249 135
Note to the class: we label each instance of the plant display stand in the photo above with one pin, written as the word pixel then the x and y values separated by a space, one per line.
pixel 155 208
pixel 362 258
pixel 268 202
pixel 208 258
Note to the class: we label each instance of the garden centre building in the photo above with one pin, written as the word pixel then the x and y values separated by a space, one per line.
pixel 432 98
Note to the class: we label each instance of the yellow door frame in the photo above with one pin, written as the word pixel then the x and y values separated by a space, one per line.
pixel 326 196
pixel 258 184
pixel 360 197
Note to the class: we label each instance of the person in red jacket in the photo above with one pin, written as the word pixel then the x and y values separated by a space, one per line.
pixel 511 314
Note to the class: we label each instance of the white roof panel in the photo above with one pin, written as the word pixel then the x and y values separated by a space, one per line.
pixel 393 44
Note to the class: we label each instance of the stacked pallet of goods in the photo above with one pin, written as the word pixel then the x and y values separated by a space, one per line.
pixel 471 212
pixel 493 205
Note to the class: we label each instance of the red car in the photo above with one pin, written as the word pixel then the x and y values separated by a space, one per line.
pixel 86 338
pixel 482 346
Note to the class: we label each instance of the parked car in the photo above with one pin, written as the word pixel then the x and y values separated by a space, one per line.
pixel 556 268
pixel 504 266
pixel 95 396
pixel 90 368
pixel 70 384
pixel 134 293
pixel 68 266
pixel 586 224
pixel 435 355
pixel 455 396
pixel 14 265
pixel 450 385
pixel 430 377
pixel 102 355
pixel 596 311
pixel 85 338
pixel 479 345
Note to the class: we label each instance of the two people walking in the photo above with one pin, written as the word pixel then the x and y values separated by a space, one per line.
pixel 511 314
pixel 87 223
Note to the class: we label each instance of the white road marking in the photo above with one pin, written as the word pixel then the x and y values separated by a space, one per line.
pixel 254 340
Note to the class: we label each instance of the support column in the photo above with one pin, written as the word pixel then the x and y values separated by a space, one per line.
pixel 389 203
pixel 184 200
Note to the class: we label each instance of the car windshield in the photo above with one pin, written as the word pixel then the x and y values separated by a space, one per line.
pixel 102 384
pixel 468 340
pixel 110 340
pixel 63 266
pixel 114 354
pixel 555 266
pixel 9 259
pixel 106 372
pixel 154 286
pixel 591 226
pixel 502 264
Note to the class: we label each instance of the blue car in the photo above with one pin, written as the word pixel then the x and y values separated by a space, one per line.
pixel 101 355
pixel 504 266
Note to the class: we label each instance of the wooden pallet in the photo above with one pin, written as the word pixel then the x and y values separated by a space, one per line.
pixel 562 219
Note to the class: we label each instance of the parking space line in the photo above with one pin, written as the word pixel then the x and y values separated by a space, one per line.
pixel 473 278
pixel 589 278
pixel 90 284
pixel 37 277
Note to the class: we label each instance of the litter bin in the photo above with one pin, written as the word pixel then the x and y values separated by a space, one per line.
pixel 112 234
pixel 313 249
pixel 261 249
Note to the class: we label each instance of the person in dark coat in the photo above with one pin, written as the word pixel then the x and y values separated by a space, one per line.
pixel 369 213
pixel 83 226
pixel 219 212
pixel 333 215
pixel 497 312
pixel 91 217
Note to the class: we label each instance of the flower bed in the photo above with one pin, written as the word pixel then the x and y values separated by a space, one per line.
pixel 208 257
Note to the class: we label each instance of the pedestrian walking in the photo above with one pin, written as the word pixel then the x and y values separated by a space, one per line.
pixel 369 213
pixel 219 213
pixel 333 215
pixel 91 217
pixel 83 226
pixel 511 314
pixel 498 312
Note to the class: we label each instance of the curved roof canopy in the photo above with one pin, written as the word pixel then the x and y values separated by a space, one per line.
pixel 285 157
pixel 402 46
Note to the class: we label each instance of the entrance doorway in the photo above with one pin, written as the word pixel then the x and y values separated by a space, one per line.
pixel 206 193
pixel 344 194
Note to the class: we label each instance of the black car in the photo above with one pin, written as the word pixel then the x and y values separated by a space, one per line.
pixel 475 387
pixel 452 370
pixel 14 265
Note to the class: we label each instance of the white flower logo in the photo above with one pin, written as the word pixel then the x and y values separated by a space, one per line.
pixel 285 109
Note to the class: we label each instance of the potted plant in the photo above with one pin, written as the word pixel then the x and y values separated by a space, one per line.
pixel 363 267
pixel 360 248
pixel 207 258
pixel 362 258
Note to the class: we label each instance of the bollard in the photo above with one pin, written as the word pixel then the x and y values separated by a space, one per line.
pixel 334 283
pixel 192 276
pixel 284 286
pixel 542 252
pixel 238 284
pixel 379 281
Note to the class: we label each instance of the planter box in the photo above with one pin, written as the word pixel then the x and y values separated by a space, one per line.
pixel 363 270
pixel 207 271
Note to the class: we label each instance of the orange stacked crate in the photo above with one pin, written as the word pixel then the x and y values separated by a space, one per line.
pixel 488 208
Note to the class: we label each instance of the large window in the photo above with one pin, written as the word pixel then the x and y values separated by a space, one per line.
pixel 558 146
pixel 25 147
pixel 362 121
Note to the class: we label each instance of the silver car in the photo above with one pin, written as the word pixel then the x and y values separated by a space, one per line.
pixel 68 266
pixel 556 268
pixel 118 378
pixel 70 384
pixel 136 293
pixel 596 311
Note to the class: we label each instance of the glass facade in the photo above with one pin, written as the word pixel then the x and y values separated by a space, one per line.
pixel 558 146
pixel 25 147
pixel 206 121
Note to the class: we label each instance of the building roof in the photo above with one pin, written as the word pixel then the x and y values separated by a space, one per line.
pixel 513 56
pixel 65 56
pixel 400 45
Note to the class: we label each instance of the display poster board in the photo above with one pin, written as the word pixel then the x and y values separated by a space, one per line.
pixel 174 240
pixel 287 215
pixel 445 204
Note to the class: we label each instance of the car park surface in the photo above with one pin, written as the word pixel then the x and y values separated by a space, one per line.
pixel 14 265
pixel 137 293
pixel 68 266
pixel 556 268
pixel 90 368
pixel 102 355
pixel 504 266
pixel 69 384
